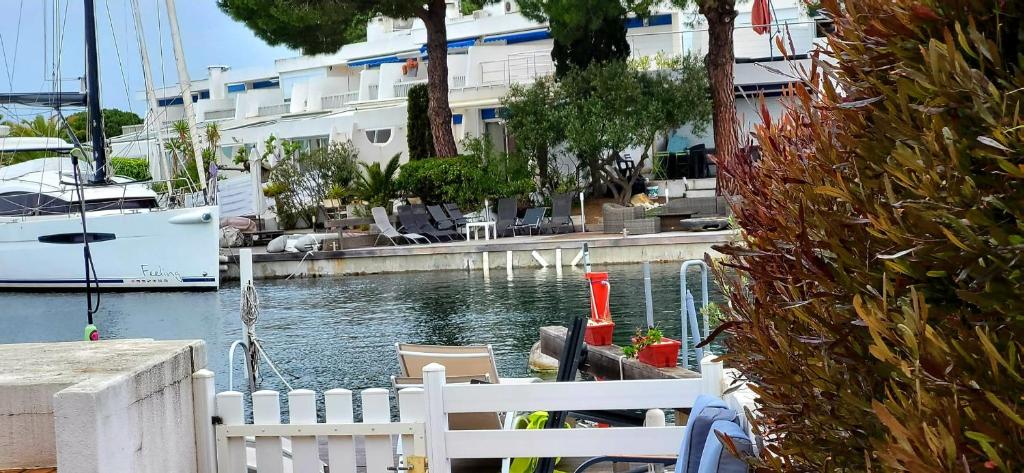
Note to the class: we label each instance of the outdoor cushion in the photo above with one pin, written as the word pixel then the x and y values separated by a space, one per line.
pixel 277 245
pixel 706 410
pixel 716 458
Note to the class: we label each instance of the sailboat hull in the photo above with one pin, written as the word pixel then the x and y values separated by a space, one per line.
pixel 146 250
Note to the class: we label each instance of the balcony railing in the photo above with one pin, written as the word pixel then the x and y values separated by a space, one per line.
pixel 373 90
pixel 133 129
pixel 458 82
pixel 519 67
pixel 402 88
pixel 331 102
pixel 271 110
pixel 219 114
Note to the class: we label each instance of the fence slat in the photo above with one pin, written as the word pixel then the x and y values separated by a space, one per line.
pixel 231 453
pixel 436 418
pixel 662 441
pixel 266 409
pixel 377 409
pixel 410 409
pixel 712 372
pixel 604 395
pixel 341 450
pixel 302 410
pixel 203 408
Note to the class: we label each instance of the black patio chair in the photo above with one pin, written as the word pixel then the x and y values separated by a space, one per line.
pixel 440 218
pixel 561 212
pixel 455 214
pixel 506 218
pixel 410 222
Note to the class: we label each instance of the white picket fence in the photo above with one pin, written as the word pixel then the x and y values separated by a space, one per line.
pixel 422 430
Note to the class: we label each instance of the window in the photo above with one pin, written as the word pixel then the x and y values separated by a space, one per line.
pixel 234 88
pixel 379 136
pixel 266 84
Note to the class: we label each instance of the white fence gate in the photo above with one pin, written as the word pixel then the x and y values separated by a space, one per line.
pixel 422 436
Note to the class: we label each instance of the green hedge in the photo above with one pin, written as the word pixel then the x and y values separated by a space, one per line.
pixel 463 180
pixel 134 168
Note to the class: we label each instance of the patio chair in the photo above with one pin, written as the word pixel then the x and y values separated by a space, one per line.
pixel 561 212
pixel 380 218
pixel 455 214
pixel 531 220
pixel 506 217
pixel 701 451
pixel 422 215
pixel 442 219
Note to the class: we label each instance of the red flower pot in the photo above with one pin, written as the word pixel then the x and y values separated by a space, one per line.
pixel 599 333
pixel 664 354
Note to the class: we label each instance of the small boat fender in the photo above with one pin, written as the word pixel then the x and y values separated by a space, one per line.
pixel 191 218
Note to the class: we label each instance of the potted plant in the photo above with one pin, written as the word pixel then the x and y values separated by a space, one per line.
pixel 653 348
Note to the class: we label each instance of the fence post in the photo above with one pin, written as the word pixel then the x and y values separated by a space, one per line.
pixel 302 410
pixel 341 451
pixel 266 410
pixel 377 410
pixel 711 372
pixel 655 418
pixel 231 453
pixel 436 418
pixel 203 392
pixel 411 409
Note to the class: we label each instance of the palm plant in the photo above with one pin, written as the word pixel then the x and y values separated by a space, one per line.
pixel 377 186
pixel 39 126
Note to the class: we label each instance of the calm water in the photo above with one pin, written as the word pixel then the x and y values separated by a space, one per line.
pixel 340 332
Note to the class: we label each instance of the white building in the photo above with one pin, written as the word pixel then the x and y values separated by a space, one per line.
pixel 359 93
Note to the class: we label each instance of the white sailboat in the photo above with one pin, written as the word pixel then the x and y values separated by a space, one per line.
pixel 129 240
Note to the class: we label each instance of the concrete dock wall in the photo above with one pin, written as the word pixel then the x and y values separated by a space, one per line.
pixel 604 249
pixel 88 407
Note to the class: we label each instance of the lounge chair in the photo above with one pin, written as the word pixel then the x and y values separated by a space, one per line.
pixel 380 218
pixel 455 214
pixel 701 451
pixel 415 222
pixel 531 220
pixel 470 363
pixel 422 215
pixel 561 213
pixel 442 219
pixel 506 218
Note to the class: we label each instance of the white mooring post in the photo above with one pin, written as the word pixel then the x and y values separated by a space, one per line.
pixel 583 216
pixel 508 263
pixel 558 261
pixel 436 420
pixel 341 450
pixel 302 410
pixel 231 454
pixel 266 410
pixel 245 267
pixel 377 410
pixel 486 263
pixel 203 410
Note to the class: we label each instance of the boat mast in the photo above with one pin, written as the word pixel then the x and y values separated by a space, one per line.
pixel 186 92
pixel 92 83
pixel 147 73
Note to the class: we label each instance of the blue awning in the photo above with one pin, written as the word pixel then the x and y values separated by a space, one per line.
pixel 456 44
pixel 375 61
pixel 653 20
pixel 521 37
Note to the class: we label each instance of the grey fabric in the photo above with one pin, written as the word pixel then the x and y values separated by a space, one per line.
pixel 706 410
pixel 718 459
pixel 615 216
pixel 701 206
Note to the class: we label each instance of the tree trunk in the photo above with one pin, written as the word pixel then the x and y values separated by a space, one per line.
pixel 542 167
pixel 439 111
pixel 721 16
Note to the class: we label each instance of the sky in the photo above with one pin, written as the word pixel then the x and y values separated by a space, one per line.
pixel 209 37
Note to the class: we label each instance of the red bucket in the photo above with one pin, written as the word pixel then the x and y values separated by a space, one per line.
pixel 664 354
pixel 599 333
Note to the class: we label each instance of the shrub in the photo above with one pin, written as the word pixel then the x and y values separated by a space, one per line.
pixel 882 244
pixel 437 180
pixel 300 181
pixel 420 139
pixel 134 168
pixel 378 186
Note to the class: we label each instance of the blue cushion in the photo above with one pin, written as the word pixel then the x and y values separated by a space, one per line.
pixel 718 459
pixel 706 410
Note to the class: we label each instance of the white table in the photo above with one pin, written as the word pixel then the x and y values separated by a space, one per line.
pixel 489 229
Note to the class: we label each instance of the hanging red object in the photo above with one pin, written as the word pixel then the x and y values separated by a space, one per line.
pixel 761 16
